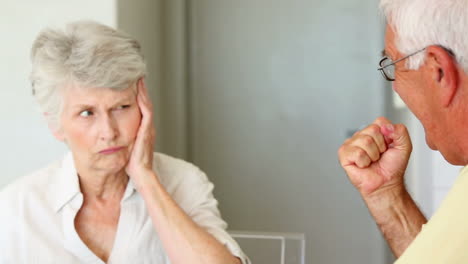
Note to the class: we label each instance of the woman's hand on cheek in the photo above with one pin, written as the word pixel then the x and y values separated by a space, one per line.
pixel 140 164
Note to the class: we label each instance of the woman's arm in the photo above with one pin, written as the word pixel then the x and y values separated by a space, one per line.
pixel 184 241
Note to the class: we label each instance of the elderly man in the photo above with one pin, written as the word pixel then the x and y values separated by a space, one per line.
pixel 426 51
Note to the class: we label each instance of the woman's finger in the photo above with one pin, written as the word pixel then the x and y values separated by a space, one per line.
pixel 145 107
pixel 145 94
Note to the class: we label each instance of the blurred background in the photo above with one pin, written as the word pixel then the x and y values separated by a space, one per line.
pixel 259 94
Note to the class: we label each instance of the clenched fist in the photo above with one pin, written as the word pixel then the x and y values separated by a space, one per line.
pixel 376 157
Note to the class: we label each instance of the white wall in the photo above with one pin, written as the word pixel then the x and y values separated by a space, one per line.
pixel 26 141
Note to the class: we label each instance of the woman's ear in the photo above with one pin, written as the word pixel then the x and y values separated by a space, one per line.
pixel 54 127
pixel 444 72
pixel 58 134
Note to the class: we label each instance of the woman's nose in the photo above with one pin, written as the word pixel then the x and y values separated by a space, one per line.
pixel 108 128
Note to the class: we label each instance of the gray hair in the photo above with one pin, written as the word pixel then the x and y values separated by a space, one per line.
pixel 85 54
pixel 421 23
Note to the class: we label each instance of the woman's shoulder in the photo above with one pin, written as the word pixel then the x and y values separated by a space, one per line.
pixel 174 171
pixel 185 182
pixel 168 164
pixel 32 184
pixel 21 200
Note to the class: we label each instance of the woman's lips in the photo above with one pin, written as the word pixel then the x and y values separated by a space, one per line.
pixel 110 150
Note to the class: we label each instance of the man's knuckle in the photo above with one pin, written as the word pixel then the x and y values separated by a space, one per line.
pixel 375 129
pixel 368 141
pixel 360 153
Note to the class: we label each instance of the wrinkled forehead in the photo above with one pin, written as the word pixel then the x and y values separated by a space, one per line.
pixel 82 95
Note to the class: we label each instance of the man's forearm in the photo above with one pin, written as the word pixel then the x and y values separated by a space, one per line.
pixel 397 216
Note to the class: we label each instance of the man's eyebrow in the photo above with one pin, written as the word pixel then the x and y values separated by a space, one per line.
pixel 384 53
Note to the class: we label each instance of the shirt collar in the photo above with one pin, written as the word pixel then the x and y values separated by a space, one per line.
pixel 129 190
pixel 65 185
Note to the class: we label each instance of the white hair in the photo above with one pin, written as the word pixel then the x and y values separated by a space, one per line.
pixel 421 23
pixel 85 54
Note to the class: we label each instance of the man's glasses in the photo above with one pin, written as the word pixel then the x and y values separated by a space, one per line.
pixel 387 66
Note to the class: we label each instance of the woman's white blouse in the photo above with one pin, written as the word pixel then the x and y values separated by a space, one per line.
pixel 37 215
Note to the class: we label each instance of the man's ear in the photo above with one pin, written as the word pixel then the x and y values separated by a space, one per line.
pixel 54 127
pixel 443 70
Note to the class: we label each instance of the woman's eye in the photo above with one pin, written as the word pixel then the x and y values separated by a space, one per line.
pixel 123 107
pixel 86 113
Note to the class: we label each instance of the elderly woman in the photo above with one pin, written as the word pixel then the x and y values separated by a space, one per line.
pixel 111 199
